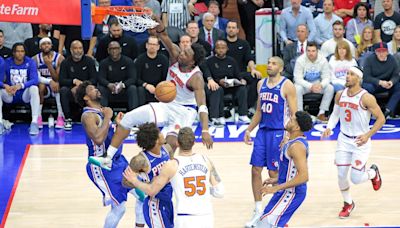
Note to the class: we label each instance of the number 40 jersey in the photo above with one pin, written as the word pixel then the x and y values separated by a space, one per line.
pixel 191 185
pixel 274 108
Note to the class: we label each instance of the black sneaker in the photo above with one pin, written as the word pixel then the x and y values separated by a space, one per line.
pixel 68 124
pixel 387 113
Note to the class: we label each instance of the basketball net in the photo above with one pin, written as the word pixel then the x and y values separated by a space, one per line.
pixel 136 23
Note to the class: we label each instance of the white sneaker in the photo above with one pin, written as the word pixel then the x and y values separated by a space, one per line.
pixel 222 120
pixel 244 119
pixel 254 220
pixel 103 162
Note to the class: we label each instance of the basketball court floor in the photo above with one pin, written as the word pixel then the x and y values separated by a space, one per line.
pixel 43 181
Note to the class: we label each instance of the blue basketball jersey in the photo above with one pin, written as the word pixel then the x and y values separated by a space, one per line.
pixel 274 108
pixel 99 150
pixel 156 162
pixel 25 73
pixel 42 67
pixel 287 169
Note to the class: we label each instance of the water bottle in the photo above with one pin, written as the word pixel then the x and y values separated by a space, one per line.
pixel 51 121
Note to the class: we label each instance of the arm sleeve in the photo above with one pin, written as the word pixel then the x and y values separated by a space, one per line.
pixel 33 75
pixel 282 27
pixel 64 78
pixel 334 118
pixel 44 80
pixel 132 76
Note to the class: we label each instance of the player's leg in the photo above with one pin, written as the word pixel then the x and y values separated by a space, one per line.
pixel 281 208
pixel 343 158
pixel 31 95
pixel 60 113
pixel 139 217
pixel 258 161
pixel 114 215
pixel 359 174
pixel 42 93
pixel 153 112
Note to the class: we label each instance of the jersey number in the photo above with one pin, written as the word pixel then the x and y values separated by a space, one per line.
pixel 266 107
pixel 348 115
pixel 194 185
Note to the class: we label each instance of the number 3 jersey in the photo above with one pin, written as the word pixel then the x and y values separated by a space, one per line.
pixel 274 108
pixel 191 185
pixel 354 118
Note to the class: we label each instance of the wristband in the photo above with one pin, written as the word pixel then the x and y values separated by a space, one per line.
pixel 204 131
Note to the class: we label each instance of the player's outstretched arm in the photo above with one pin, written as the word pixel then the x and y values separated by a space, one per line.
pixel 291 97
pixel 217 188
pixel 172 48
pixel 96 133
pixel 197 85
pixel 167 172
pixel 297 152
pixel 256 117
pixel 333 118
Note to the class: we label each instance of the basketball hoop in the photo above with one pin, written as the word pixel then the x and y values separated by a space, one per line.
pixel 131 18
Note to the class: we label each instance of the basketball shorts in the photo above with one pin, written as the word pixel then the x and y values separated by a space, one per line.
pixel 266 149
pixel 158 213
pixel 49 92
pixel 110 182
pixel 194 221
pixel 172 116
pixel 280 208
pixel 20 97
pixel 349 154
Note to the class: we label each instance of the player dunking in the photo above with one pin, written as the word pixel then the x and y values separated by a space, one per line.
pixel 289 188
pixel 193 178
pixel 276 100
pixel 353 107
pixel 97 123
pixel 190 100
pixel 157 209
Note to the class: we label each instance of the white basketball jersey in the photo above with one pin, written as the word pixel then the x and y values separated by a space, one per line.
pixel 191 185
pixel 184 95
pixel 354 118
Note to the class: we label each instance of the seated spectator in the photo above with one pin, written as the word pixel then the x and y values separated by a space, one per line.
pixel 291 17
pixel 312 75
pixel 117 78
pixel 365 47
pixel 376 5
pixel 15 32
pixel 240 50
pixel 328 47
pixel 386 22
pixel 32 44
pixel 294 50
pixel 315 6
pixel 20 85
pixel 73 71
pixel 48 63
pixel 381 73
pixel 225 80
pixel 127 43
pixel 394 44
pixel 155 7
pixel 151 68
pixel 220 22
pixel 192 29
pixel 344 9
pixel 356 25
pixel 5 52
pixel 209 33
pixel 324 21
pixel 339 64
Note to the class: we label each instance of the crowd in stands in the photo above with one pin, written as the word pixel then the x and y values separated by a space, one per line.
pixel 321 40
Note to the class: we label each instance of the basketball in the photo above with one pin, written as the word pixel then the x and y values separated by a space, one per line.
pixel 165 91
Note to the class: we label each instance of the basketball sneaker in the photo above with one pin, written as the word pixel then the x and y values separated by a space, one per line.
pixel 376 181
pixel 40 122
pixel 60 122
pixel 103 162
pixel 254 219
pixel 346 210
